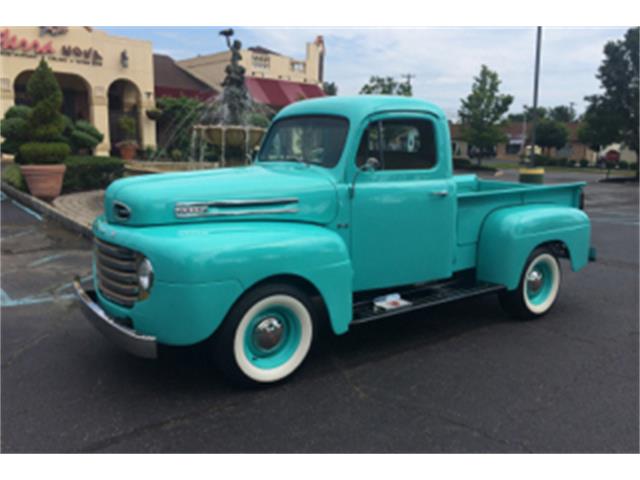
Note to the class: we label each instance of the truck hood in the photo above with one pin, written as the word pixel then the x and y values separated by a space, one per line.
pixel 293 192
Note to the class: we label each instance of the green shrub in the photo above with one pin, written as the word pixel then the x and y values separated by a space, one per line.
pixel 562 162
pixel 46 123
pixel 91 173
pixel 176 155
pixel 85 136
pixel 13 176
pixel 571 163
pixel 623 164
pixel 128 127
pixel 14 128
pixel 584 163
pixel 43 153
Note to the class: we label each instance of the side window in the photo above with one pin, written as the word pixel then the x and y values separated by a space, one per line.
pixel 399 144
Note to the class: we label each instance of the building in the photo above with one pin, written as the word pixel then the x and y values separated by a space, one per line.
pixel 173 81
pixel 517 134
pixel 271 78
pixel 103 77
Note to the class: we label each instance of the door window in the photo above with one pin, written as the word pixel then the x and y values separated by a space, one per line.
pixel 399 144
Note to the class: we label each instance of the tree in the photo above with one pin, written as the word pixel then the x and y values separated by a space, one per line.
pixel 612 116
pixel 551 134
pixel 527 114
pixel 330 88
pixel 387 86
pixel 45 122
pixel 482 113
pixel 563 113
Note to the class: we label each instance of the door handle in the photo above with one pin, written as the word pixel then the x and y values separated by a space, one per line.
pixel 440 193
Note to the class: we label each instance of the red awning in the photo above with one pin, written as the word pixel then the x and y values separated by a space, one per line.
pixel 279 93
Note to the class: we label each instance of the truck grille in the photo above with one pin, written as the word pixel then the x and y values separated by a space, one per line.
pixel 116 272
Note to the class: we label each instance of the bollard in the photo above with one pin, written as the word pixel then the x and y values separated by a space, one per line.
pixel 531 175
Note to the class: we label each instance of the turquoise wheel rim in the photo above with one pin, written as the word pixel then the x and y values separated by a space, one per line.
pixel 538 291
pixel 283 350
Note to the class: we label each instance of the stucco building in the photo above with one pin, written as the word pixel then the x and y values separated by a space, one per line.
pixel 271 78
pixel 103 77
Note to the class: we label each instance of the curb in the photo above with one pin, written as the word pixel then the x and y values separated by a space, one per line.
pixel 47 210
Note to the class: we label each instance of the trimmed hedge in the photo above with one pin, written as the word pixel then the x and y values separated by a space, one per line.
pixel 91 173
pixel 13 176
pixel 83 173
pixel 43 153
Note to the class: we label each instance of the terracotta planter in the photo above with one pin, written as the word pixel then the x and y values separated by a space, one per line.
pixel 127 151
pixel 44 181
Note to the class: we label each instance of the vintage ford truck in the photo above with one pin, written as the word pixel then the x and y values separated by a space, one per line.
pixel 349 213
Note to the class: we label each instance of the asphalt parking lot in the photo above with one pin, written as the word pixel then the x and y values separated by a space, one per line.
pixel 458 378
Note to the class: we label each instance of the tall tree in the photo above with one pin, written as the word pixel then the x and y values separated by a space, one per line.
pixel 330 88
pixel 612 116
pixel 551 134
pixel 482 114
pixel 563 113
pixel 387 86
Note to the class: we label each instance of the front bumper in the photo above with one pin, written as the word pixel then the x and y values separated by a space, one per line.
pixel 126 338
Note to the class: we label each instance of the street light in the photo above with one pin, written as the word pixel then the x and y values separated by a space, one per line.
pixel 535 94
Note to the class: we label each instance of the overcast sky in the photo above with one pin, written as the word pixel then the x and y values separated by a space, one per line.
pixel 443 60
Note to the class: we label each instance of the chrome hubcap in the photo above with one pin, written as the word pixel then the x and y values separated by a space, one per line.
pixel 534 281
pixel 268 333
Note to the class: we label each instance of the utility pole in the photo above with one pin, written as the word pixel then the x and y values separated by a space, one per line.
pixel 535 94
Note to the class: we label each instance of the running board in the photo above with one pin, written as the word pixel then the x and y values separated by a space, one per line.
pixel 425 297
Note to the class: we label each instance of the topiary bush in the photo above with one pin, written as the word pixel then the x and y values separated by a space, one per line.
pixel 14 128
pixel 43 153
pixel 584 163
pixel 84 136
pixel 91 173
pixel 45 122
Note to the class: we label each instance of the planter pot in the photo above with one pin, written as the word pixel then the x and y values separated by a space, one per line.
pixel 127 151
pixel 44 181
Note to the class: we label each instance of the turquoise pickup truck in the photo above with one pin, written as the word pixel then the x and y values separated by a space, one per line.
pixel 349 213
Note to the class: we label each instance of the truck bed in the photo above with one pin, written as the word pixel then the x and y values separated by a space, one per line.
pixel 477 198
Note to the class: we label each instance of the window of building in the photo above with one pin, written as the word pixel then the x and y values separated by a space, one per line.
pixel 399 144
pixel 261 61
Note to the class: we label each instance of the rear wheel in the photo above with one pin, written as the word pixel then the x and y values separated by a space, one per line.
pixel 266 335
pixel 538 289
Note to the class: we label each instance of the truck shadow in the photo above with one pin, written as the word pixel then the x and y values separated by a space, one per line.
pixel 191 369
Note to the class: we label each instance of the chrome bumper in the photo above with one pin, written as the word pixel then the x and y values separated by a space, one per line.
pixel 127 339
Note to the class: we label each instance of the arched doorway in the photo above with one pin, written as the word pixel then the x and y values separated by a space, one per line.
pixel 124 101
pixel 75 94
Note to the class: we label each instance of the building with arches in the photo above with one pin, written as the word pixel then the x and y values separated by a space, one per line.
pixel 102 77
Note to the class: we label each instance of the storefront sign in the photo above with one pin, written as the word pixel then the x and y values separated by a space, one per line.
pixel 24 47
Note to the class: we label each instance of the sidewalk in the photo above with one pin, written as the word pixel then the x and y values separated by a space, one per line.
pixel 83 207
pixel 76 211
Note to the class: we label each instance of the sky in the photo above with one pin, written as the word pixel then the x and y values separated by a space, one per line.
pixel 443 60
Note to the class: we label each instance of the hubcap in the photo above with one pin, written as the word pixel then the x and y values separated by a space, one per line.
pixel 535 280
pixel 268 333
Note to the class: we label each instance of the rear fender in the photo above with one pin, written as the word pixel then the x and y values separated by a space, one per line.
pixel 508 236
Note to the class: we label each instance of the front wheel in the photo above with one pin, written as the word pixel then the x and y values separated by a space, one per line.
pixel 266 335
pixel 538 288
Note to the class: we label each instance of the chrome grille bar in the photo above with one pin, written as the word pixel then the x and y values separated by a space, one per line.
pixel 115 268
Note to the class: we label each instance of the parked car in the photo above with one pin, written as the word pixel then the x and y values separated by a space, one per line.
pixel 349 214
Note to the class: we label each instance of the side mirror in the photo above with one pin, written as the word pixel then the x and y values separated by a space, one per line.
pixel 372 164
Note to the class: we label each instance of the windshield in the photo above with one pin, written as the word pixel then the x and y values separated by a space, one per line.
pixel 315 140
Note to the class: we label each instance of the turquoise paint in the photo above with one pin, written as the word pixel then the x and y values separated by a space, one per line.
pixel 509 235
pixel 284 350
pixel 351 230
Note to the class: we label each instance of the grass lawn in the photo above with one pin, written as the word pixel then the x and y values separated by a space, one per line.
pixel 515 165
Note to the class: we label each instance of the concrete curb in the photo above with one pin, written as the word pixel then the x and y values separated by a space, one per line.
pixel 47 210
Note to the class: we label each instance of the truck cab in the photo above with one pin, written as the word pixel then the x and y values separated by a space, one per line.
pixel 349 213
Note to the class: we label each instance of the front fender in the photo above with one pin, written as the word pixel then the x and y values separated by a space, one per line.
pixel 508 236
pixel 244 253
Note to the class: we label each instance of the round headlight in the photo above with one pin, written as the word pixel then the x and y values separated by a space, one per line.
pixel 145 275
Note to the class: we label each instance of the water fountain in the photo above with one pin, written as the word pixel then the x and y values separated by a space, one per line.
pixel 226 122
pixel 225 125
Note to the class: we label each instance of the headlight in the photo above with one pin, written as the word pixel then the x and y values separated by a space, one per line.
pixel 145 275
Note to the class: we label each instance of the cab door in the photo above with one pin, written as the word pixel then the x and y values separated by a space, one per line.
pixel 403 204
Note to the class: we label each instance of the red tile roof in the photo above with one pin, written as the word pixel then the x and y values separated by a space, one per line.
pixel 279 93
pixel 173 81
